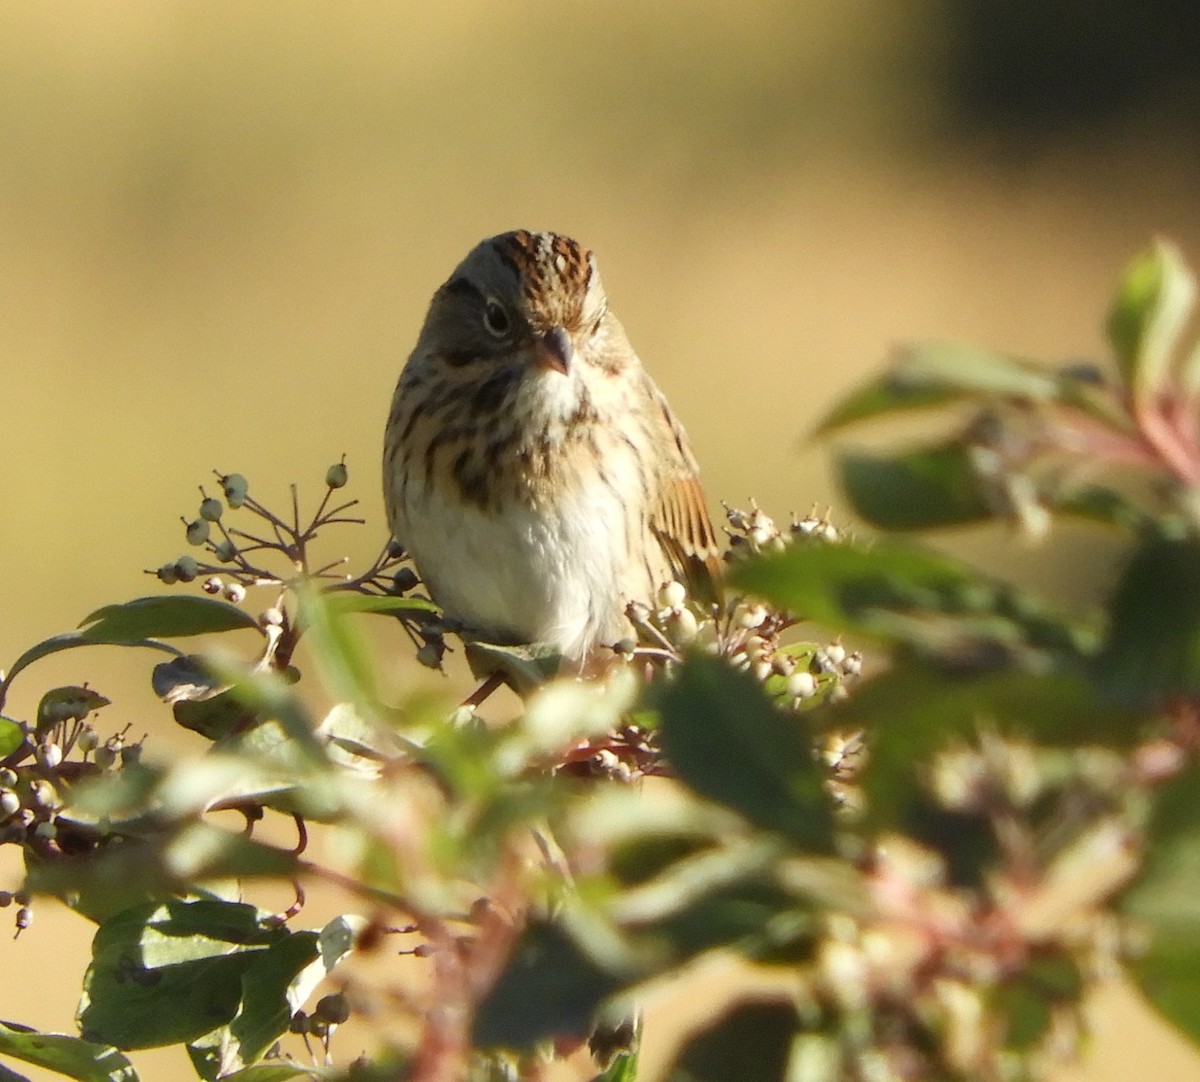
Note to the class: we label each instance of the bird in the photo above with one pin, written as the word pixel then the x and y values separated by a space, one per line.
pixel 532 469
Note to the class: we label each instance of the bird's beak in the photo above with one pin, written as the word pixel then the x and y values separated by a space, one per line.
pixel 554 350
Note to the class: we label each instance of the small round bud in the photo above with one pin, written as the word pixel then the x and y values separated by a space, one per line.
pixel 22 896
pixel 672 595
pixel 625 648
pixel 105 757
pixel 87 740
pixel 210 509
pixel 167 574
pixel 225 551
pixel 46 830
pixel 42 794
pixel 6 899
pixel 801 684
pixel 272 617
pixel 211 585
pixel 404 580
pixel 299 1023
pixel 235 592
pixel 852 666
pixel 835 653
pixel 24 918
pixel 131 755
pixel 334 1009
pixel 752 616
pixel 337 475
pixel 186 569
pixel 10 803
pixel 395 550
pixel 8 777
pixel 197 532
pixel 49 755
pixel 235 487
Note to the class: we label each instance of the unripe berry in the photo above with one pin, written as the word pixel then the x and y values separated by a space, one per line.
pixel 167 574
pixel 10 803
pixel 8 778
pixel 46 831
pixel 404 580
pixel 225 551
pixel 337 475
pixel 6 899
pixel 211 508
pixel 105 757
pixel 334 1009
pixel 197 532
pixel 235 487
pixel 87 740
pixel 186 569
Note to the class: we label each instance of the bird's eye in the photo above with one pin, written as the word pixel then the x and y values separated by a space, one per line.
pixel 495 319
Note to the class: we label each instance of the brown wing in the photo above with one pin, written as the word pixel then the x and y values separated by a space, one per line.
pixel 684 530
pixel 679 517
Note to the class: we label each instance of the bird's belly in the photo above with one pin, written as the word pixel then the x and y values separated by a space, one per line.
pixel 550 576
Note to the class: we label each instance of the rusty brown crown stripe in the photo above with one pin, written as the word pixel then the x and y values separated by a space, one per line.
pixel 539 258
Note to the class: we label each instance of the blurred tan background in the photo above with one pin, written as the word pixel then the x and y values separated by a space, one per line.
pixel 220 224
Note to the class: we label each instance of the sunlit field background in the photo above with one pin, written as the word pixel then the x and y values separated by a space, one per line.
pixel 220 224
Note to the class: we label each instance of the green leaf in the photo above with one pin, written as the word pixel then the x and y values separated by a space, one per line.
pixel 751 1041
pixel 264 1012
pixel 169 972
pixel 339 649
pixel 550 988
pixel 1152 651
pixel 61 704
pixel 70 1056
pixel 853 587
pixel 1165 901
pixel 525 667
pixel 1100 504
pixel 215 718
pixel 11 736
pixel 164 618
pixel 902 593
pixel 275 985
pixel 921 489
pixel 934 373
pixel 68 641
pixel 1150 310
pixel 728 742
pixel 346 601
